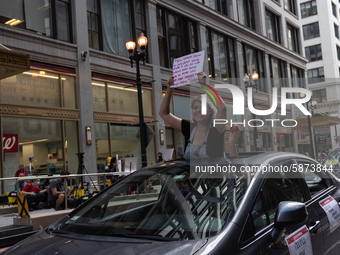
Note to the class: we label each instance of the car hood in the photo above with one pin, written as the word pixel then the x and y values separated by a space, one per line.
pixel 43 243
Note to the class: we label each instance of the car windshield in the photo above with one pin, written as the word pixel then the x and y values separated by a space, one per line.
pixel 333 159
pixel 161 202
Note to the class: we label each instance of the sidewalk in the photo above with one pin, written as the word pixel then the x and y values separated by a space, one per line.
pixel 7 219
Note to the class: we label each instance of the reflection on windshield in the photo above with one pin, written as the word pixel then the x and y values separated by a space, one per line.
pixel 161 202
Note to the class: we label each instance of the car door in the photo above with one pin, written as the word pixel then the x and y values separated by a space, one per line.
pixel 320 185
pixel 278 187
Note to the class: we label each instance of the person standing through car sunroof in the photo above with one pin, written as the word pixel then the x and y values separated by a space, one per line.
pixel 202 140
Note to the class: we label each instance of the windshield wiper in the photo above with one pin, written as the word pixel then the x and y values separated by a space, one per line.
pixel 149 237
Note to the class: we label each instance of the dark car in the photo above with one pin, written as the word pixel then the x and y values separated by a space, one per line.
pixel 165 209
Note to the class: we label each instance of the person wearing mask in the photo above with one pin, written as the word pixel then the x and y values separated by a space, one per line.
pixel 160 158
pixel 33 194
pixel 56 192
pixel 21 172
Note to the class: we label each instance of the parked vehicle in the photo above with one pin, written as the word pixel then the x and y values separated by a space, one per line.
pixel 165 209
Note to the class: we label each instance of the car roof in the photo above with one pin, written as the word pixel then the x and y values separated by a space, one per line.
pixel 244 158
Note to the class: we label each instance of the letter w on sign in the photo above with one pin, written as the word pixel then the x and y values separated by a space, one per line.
pixel 10 143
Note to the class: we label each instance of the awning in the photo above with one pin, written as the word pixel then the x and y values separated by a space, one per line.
pixel 12 63
pixel 320 121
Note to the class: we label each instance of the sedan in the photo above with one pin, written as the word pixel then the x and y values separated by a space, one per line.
pixel 179 207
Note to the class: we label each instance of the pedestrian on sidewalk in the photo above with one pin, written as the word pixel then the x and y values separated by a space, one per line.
pixel 56 192
pixel 33 194
pixel 21 172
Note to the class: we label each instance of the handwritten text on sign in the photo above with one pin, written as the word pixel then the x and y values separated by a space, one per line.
pixel 331 207
pixel 185 69
pixel 299 242
pixel 10 143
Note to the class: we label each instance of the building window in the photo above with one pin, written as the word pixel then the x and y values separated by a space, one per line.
pixel 174 32
pixel 309 9
pixel 336 31
pixel 338 52
pixel 334 9
pixel 253 60
pixel 319 95
pixel 290 6
pixel 316 75
pixel 51 18
pixel 293 38
pixel 278 73
pixel 311 31
pixel 246 15
pixel 39 89
pixel 314 53
pixel 221 57
pixel 93 24
pixel 116 98
pixel 297 75
pixel 273 27
pixel 112 23
pixel 218 5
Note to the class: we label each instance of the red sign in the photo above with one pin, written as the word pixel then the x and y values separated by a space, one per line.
pixel 297 235
pixel 10 143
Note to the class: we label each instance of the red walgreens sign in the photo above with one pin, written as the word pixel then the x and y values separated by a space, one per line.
pixel 10 143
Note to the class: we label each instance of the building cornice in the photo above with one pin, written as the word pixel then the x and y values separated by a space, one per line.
pixel 31 111
pixel 119 118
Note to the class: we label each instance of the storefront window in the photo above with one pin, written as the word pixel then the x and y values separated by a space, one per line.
pixel 125 100
pixel 102 145
pixel 125 144
pixel 98 96
pixel 38 137
pixel 182 107
pixel 69 91
pixel 284 142
pixel 71 145
pixel 33 88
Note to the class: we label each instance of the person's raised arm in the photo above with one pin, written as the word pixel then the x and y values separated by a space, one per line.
pixel 164 111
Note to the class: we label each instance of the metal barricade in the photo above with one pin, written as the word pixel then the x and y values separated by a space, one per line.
pixel 23 207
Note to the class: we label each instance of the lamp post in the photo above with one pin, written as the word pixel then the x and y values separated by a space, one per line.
pixel 312 105
pixel 136 56
pixel 248 84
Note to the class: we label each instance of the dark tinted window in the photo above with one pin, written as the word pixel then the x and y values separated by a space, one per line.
pixel 314 176
pixel 278 188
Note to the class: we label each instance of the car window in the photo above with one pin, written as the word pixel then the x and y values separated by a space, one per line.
pixel 278 187
pixel 333 159
pixel 315 176
pixel 258 215
pixel 163 202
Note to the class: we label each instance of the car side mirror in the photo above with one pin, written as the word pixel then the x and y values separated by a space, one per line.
pixel 288 214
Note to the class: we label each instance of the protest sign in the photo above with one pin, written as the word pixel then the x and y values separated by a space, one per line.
pixel 299 242
pixel 185 69
pixel 331 208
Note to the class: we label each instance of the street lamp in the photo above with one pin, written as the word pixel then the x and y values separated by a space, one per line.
pixel 312 105
pixel 254 77
pixel 136 56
